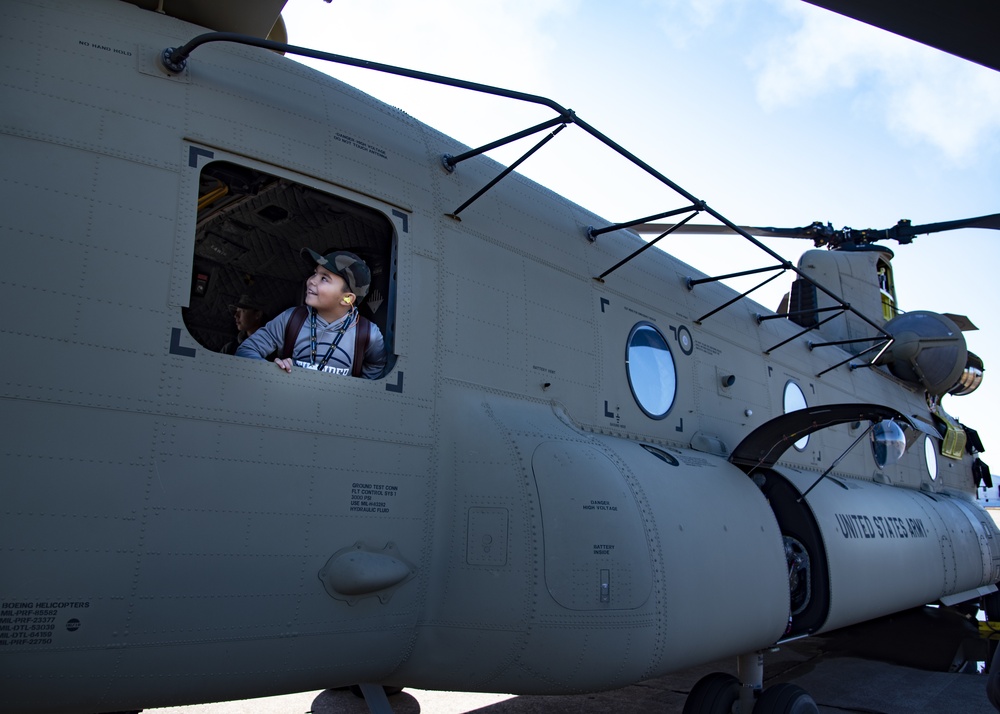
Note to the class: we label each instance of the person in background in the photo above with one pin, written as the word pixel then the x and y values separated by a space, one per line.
pixel 249 317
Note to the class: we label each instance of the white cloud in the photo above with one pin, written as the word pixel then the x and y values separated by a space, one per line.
pixel 684 21
pixel 441 36
pixel 923 95
pixel 488 43
pixel 956 108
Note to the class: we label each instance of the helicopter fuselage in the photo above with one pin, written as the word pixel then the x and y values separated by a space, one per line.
pixel 536 497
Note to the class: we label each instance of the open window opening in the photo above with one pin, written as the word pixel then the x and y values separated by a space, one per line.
pixel 250 231
pixel 886 286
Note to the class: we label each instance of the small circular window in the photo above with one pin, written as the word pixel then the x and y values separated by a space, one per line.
pixel 651 372
pixel 794 400
pixel 930 457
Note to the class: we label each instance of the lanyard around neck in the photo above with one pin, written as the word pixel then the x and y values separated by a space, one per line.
pixel 348 321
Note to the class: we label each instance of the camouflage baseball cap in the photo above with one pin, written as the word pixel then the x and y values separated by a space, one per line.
pixel 247 302
pixel 350 267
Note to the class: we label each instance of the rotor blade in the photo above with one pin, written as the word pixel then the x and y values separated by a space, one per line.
pixel 903 231
pixel 702 229
pixel 821 234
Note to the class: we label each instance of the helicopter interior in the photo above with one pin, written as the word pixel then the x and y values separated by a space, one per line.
pixel 250 231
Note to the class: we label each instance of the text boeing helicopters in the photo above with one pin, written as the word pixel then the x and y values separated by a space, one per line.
pixel 585 471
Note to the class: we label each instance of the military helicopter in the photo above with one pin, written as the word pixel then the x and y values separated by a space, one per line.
pixel 585 472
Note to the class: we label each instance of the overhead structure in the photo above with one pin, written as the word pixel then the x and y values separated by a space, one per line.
pixel 261 18
pixel 964 28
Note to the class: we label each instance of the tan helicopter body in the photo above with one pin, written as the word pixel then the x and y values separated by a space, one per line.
pixel 521 503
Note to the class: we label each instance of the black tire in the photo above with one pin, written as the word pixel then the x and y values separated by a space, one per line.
pixel 715 693
pixel 993 681
pixel 785 698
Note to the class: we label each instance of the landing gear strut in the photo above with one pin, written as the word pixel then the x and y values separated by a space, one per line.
pixel 375 698
pixel 720 693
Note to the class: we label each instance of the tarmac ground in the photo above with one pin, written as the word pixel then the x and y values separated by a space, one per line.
pixel 896 665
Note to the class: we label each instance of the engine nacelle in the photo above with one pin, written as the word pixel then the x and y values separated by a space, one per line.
pixel 875 549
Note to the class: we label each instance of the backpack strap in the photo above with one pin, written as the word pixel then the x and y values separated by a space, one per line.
pixel 292 327
pixel 361 335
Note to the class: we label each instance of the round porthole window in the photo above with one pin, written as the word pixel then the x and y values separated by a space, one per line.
pixel 794 400
pixel 930 456
pixel 652 375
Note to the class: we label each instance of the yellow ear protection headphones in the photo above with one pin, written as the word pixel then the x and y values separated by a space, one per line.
pixel 347 299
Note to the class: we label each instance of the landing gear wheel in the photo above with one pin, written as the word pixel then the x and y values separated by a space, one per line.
pixel 715 693
pixel 785 698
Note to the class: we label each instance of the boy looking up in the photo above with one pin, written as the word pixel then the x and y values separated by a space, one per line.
pixel 327 339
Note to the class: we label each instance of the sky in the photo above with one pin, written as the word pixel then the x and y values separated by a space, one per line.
pixel 775 112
